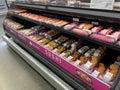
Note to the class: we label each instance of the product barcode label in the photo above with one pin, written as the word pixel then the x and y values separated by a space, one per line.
pixel 76 62
pixel 40 41
pixel 76 19
pixel 95 73
pixel 97 52
pixel 69 58
pixel 46 45
pixel 61 55
pixel 54 50
pixel 108 76
pixel 88 65
pixel 95 23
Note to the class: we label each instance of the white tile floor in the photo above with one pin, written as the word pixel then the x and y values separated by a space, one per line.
pixel 15 74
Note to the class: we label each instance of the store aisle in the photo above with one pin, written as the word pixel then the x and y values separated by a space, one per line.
pixel 15 74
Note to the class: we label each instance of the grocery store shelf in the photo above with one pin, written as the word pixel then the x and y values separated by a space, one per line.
pixel 94 12
pixel 109 15
pixel 61 73
pixel 39 6
pixel 66 76
pixel 52 78
pixel 109 45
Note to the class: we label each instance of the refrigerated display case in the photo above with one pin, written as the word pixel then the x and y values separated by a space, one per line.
pixel 80 46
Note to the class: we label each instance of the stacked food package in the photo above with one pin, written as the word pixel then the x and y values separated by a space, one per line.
pixel 13 24
pixel 98 32
pixel 47 20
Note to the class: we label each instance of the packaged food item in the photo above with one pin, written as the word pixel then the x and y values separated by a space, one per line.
pixel 59 49
pixel 68 43
pixel 81 32
pixel 94 60
pixel 96 56
pixel 52 34
pixel 26 31
pixel 73 47
pixel 36 37
pixel 99 70
pixel 99 52
pixel 96 29
pixel 48 32
pixel 61 23
pixel 83 49
pixel 73 57
pixel 44 19
pixel 53 21
pixel 81 26
pixel 43 41
pixel 84 59
pixel 106 31
pixel 78 44
pixel 103 38
pixel 83 29
pixel 70 26
pixel 110 73
pixel 66 53
pixel 64 46
pixel 87 26
pixel 90 52
pixel 61 39
pixel 13 24
pixel 17 10
pixel 115 35
pixel 51 45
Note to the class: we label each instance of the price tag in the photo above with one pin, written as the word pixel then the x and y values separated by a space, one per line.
pixel 62 54
pixel 102 4
pixel 87 65
pixel 95 73
pixel 95 23
pixel 76 62
pixel 69 58
pixel 76 19
pixel 107 76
